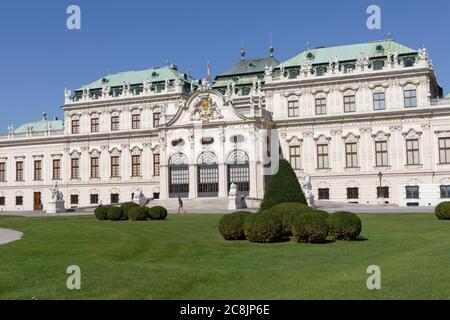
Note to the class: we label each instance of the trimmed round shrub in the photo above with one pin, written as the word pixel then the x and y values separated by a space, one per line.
pixel 283 187
pixel 322 213
pixel 310 227
pixel 442 211
pixel 263 227
pixel 126 207
pixel 115 213
pixel 157 213
pixel 101 213
pixel 138 214
pixel 344 225
pixel 231 226
pixel 286 212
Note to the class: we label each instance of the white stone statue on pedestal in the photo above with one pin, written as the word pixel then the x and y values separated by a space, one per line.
pixel 57 204
pixel 232 197
pixel 140 199
pixel 307 190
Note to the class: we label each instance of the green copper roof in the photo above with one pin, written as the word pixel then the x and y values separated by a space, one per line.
pixel 138 77
pixel 250 66
pixel 238 80
pixel 349 52
pixel 40 126
pixel 447 96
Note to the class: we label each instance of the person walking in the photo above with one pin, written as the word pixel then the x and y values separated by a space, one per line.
pixel 180 205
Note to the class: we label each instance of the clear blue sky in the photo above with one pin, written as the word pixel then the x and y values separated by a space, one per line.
pixel 39 56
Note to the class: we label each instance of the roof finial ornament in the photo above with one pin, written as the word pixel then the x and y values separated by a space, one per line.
pixel 44 115
pixel 390 36
pixel 242 50
pixel 271 48
pixel 308 46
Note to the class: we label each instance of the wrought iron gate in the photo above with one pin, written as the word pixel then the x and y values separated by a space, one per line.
pixel 208 180
pixel 178 181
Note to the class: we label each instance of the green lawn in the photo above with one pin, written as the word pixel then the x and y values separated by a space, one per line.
pixel 186 258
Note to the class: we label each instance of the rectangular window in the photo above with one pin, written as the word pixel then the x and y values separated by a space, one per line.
pixel 293 109
pixel 412 152
pixel 444 150
pixel 351 155
pixel 114 198
pixel 379 101
pixel 73 199
pixel 410 98
pixel 75 126
pixel 136 166
pixel 412 192
pixel 381 154
pixel 445 192
pixel 2 201
pixel 19 171
pixel 349 104
pixel 75 168
pixel 321 106
pixel 19 201
pixel 156 118
pixel 2 171
pixel 136 121
pixel 324 194
pixel 352 193
pixel 322 156
pixel 156 163
pixel 95 167
pixel 115 167
pixel 95 125
pixel 383 192
pixel 115 123
pixel 56 169
pixel 37 170
pixel 294 157
pixel 94 198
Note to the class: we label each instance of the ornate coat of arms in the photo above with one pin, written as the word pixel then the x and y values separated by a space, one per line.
pixel 205 109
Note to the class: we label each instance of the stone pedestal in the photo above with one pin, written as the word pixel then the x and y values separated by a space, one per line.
pixel 56 206
pixel 381 202
pixel 232 203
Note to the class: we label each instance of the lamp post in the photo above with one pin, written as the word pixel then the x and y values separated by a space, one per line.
pixel 380 176
pixel 381 201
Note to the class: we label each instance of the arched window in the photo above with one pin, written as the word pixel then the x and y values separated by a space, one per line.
pixel 239 171
pixel 178 176
pixel 208 175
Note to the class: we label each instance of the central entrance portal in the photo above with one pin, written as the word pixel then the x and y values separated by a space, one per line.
pixel 178 176
pixel 208 175
pixel 238 172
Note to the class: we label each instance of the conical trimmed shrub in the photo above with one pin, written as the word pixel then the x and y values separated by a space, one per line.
pixel 283 187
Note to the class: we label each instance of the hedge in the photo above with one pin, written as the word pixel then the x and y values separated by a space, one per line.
pixel 115 213
pixel 283 187
pixel 286 212
pixel 138 214
pixel 344 225
pixel 101 212
pixel 157 213
pixel 126 208
pixel 442 211
pixel 310 227
pixel 231 226
pixel 263 227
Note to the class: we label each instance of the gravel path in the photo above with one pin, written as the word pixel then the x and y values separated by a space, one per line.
pixel 7 236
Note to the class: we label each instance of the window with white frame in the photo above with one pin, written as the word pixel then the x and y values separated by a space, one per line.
pixel 294 157
pixel 293 108
pixel 379 101
pixel 321 106
pixel 412 152
pixel 410 98
pixel 349 103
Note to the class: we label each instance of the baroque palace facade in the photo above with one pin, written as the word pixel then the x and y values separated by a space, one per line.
pixel 364 121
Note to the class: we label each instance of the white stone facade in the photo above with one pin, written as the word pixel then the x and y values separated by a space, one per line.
pixel 327 126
